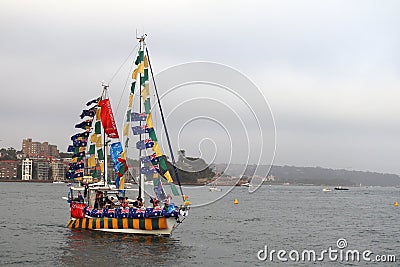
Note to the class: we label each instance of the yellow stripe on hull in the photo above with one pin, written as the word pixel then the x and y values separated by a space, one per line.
pixel 158 223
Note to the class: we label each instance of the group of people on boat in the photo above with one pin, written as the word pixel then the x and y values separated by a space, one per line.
pixel 104 201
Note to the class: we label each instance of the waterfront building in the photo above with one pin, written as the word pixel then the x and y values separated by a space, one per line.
pixel 9 169
pixel 42 169
pixel 39 150
pixel 58 169
pixel 27 169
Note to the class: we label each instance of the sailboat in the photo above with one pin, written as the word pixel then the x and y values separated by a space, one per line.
pixel 98 203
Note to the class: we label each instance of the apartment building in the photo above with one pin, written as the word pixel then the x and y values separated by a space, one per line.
pixel 39 150
pixel 9 169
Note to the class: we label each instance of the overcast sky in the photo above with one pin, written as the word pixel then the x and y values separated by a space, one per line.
pixel 328 69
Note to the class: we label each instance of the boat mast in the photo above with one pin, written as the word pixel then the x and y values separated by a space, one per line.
pixel 141 176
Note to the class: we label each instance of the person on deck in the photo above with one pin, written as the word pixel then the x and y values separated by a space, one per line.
pixel 138 202
pixel 155 202
pixel 86 190
pixel 109 202
pixel 167 201
pixel 80 197
pixel 96 201
pixel 101 200
pixel 125 202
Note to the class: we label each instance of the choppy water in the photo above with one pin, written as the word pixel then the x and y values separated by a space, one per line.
pixel 33 232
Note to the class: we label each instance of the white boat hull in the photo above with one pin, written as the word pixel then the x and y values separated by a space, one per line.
pixel 214 189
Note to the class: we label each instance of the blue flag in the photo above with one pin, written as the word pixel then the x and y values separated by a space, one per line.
pixel 115 151
pixel 138 116
pixel 89 113
pixel 150 170
pixel 143 144
pixel 140 129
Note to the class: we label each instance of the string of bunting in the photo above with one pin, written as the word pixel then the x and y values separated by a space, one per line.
pixel 79 142
pixel 157 159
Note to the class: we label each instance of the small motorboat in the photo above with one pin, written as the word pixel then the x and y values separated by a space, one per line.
pixel 214 189
pixel 340 188
pixel 326 190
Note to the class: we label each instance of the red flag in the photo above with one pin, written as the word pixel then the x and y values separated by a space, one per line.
pixel 107 119
pixel 77 210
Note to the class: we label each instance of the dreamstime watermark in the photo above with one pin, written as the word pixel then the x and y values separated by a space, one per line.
pixel 340 253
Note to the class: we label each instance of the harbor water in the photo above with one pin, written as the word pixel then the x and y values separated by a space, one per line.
pixel 33 228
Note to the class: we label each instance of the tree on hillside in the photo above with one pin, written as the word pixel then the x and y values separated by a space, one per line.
pixel 8 154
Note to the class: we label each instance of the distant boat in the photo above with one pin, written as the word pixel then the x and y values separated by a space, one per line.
pixel 58 182
pixel 326 190
pixel 214 189
pixel 340 188
pixel 246 184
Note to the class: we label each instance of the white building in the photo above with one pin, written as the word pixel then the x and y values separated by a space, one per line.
pixel 27 165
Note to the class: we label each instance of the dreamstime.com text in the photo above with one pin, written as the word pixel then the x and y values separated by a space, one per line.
pixel 340 253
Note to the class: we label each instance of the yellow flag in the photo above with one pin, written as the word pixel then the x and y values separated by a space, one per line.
pixel 155 176
pixel 123 155
pixel 149 121
pixel 168 177
pixel 134 74
pixel 98 112
pixel 146 62
pixel 156 148
pixel 82 148
pixel 140 68
pixel 145 92
pixel 74 160
pixel 93 138
pixel 130 100
pixel 126 129
pixel 92 161
pixel 102 166
pixel 121 182
pixel 98 141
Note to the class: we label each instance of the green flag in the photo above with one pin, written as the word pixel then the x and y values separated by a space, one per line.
pixel 92 149
pixel 174 190
pixel 152 135
pixel 133 88
pixel 128 115
pixel 147 106
pixel 141 56
pixel 97 127
pixel 100 154
pixel 126 142
pixel 163 164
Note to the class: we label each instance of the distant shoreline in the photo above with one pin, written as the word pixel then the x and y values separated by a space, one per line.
pixel 27 181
